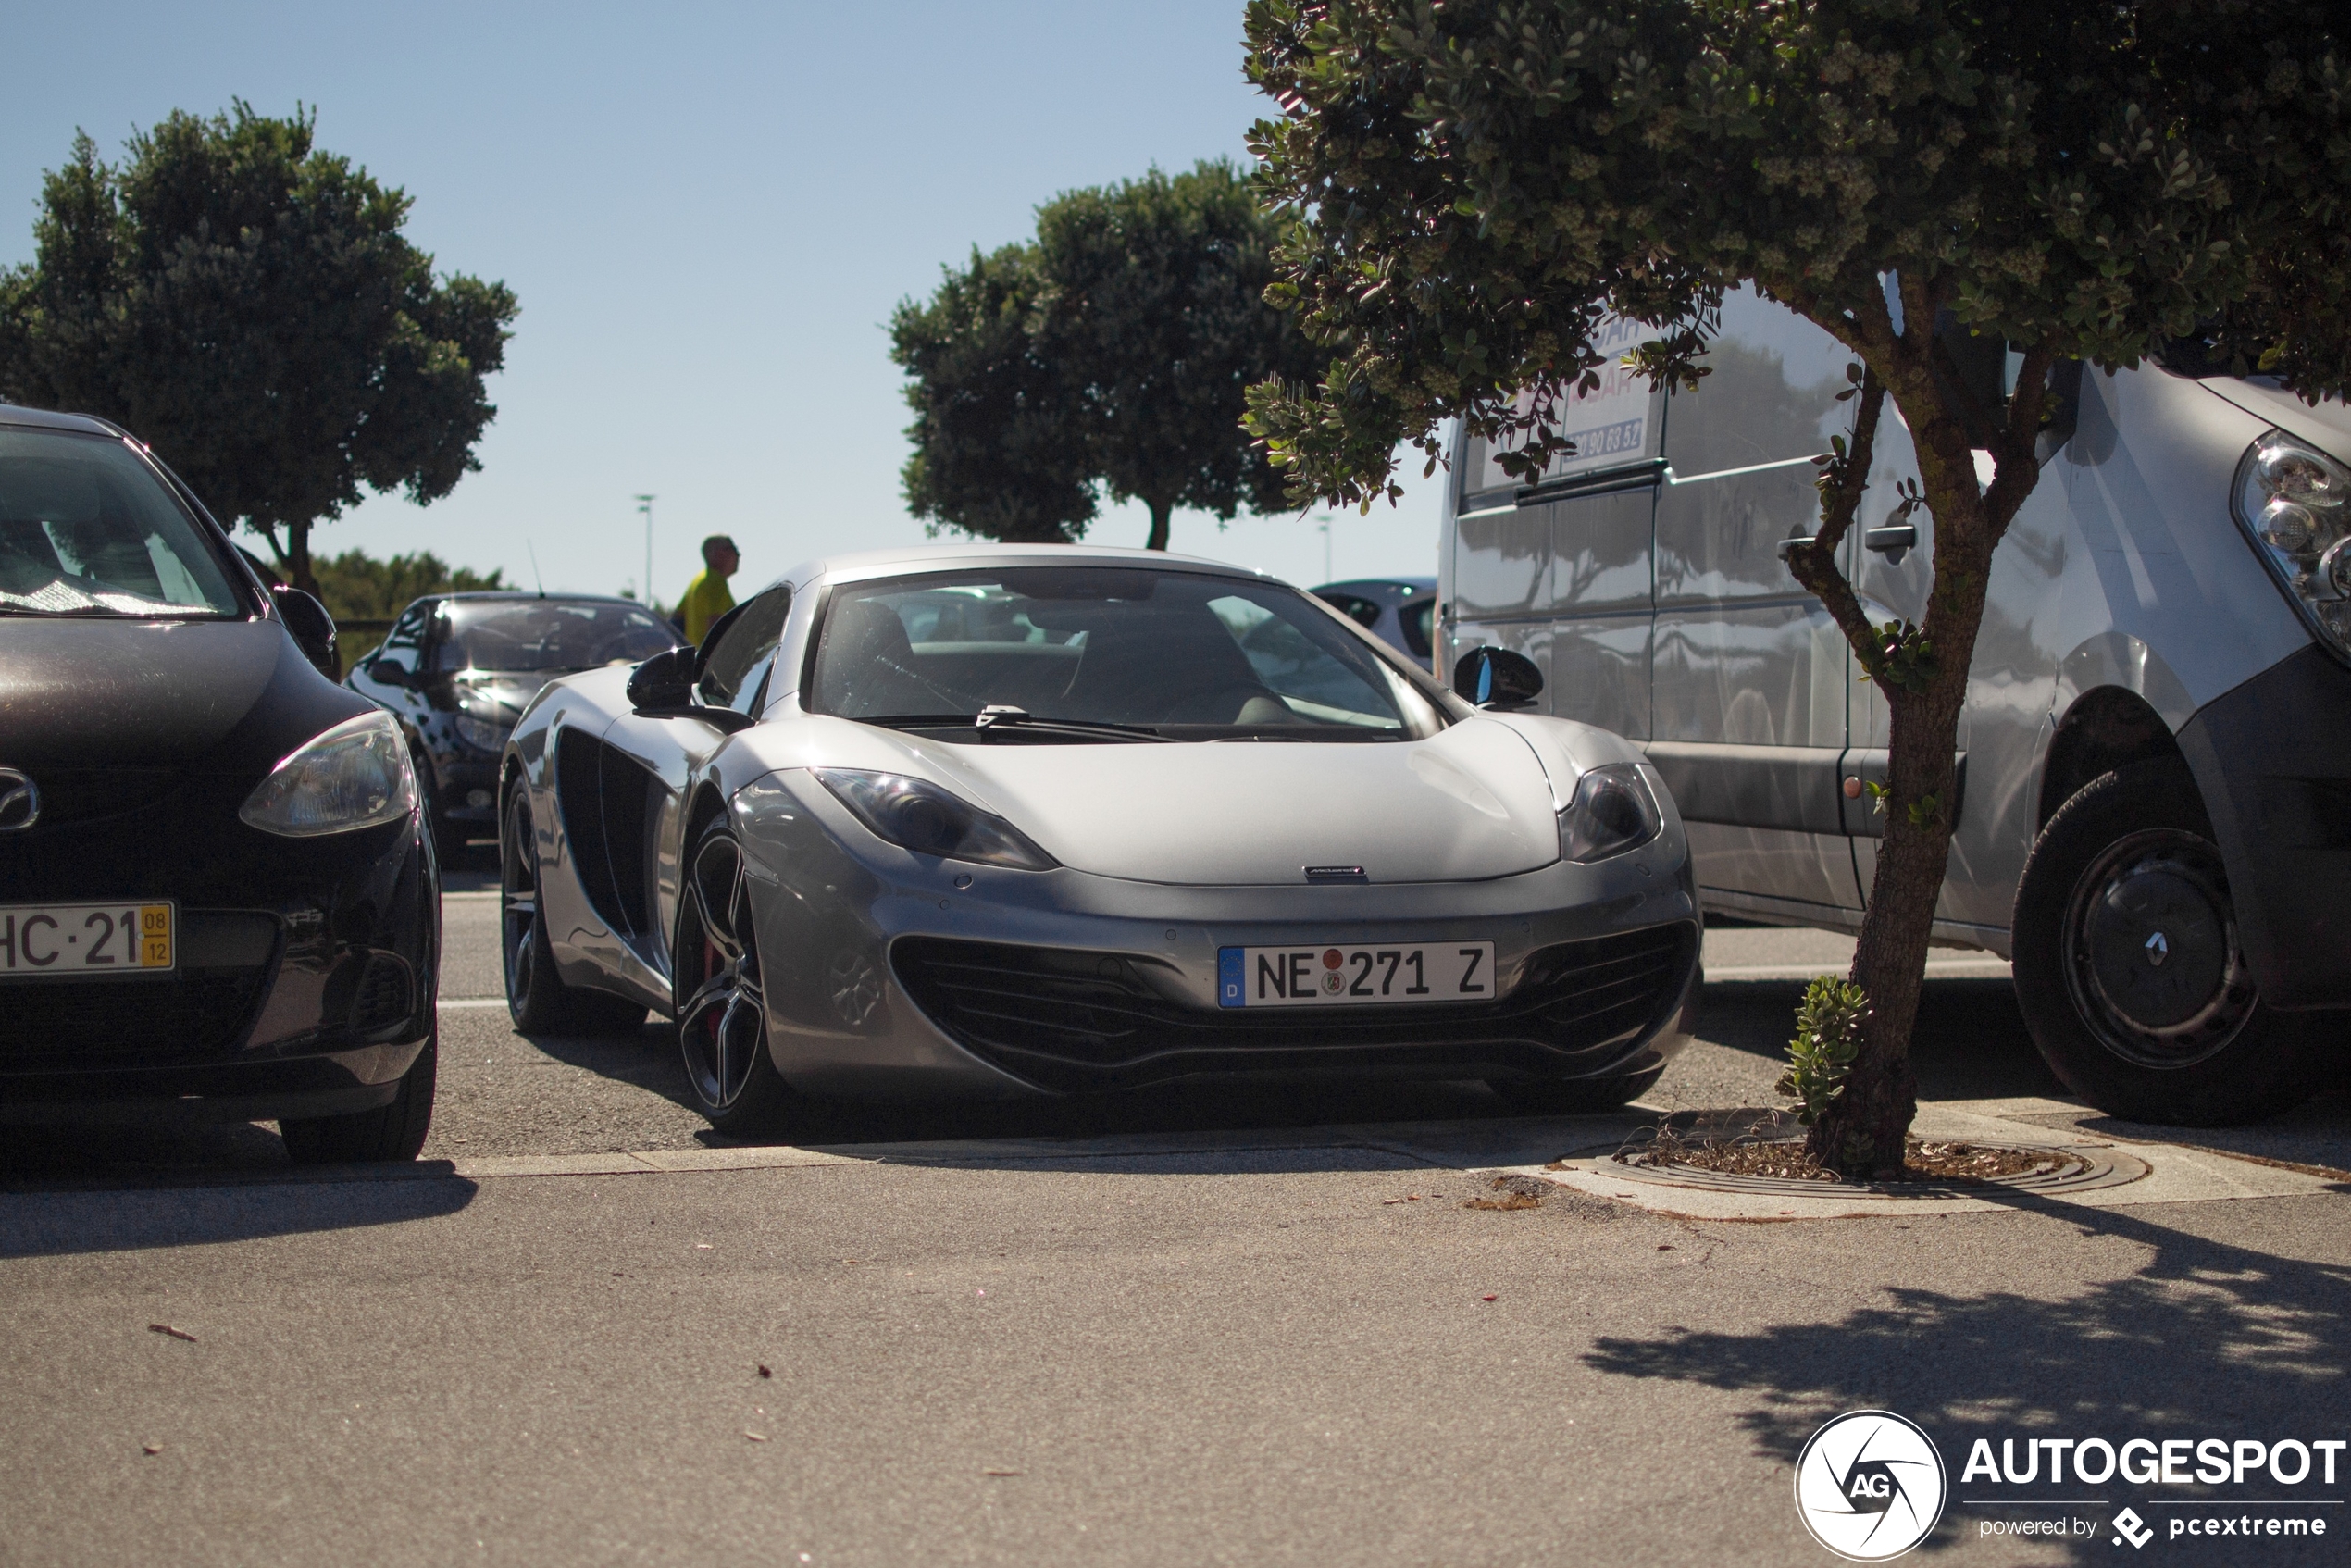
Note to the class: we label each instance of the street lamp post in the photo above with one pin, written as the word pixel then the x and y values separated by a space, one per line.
pixel 646 504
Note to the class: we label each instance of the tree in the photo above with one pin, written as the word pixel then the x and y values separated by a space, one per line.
pixel 997 450
pixel 1114 351
pixel 1471 189
pixel 248 306
pixel 355 586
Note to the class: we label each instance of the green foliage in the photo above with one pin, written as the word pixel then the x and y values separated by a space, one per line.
pixel 248 305
pixel 1472 187
pixel 355 586
pixel 1828 1039
pixel 996 450
pixel 1900 656
pixel 1112 351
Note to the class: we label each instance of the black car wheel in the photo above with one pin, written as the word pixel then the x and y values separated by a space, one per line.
pixel 389 1133
pixel 536 996
pixel 448 838
pixel 722 1013
pixel 2127 962
pixel 1571 1097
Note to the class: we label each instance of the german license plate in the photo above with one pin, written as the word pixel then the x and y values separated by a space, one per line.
pixel 88 941
pixel 1387 974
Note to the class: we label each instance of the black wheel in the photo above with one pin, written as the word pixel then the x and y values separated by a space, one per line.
pixel 1573 1097
pixel 2127 962
pixel 722 1013
pixel 448 838
pixel 537 998
pixel 389 1133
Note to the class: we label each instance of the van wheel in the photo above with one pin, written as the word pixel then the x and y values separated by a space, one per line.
pixel 2128 967
pixel 1573 1097
pixel 537 998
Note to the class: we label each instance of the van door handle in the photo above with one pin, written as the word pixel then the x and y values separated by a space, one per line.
pixel 1787 545
pixel 1894 542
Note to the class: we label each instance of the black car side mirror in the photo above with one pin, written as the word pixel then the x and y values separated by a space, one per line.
pixel 665 683
pixel 1496 678
pixel 313 629
pixel 390 672
pixel 663 687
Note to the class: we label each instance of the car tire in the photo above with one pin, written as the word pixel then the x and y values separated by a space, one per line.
pixel 448 838
pixel 537 998
pixel 721 1006
pixel 390 1134
pixel 1574 1097
pixel 2127 962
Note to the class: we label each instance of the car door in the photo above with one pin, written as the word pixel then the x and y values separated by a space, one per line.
pixel 643 768
pixel 1749 676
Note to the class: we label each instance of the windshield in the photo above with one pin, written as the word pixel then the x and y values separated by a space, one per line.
pixel 1183 655
pixel 86 528
pixel 546 634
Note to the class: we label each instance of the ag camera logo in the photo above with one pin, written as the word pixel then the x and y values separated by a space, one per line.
pixel 1870 1485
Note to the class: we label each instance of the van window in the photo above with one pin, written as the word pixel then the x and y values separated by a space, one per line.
pixel 1615 426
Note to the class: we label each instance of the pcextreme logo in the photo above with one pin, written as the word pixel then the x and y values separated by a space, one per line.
pixel 1870 1485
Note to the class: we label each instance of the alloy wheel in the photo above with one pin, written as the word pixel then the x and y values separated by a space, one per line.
pixel 723 1025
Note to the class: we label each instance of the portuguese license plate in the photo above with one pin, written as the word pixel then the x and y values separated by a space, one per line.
pixel 1385 974
pixel 88 941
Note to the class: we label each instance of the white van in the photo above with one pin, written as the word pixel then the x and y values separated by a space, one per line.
pixel 2155 822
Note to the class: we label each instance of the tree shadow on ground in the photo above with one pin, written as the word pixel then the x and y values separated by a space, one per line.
pixel 2206 1338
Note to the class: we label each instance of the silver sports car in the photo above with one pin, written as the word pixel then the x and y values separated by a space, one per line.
pixel 1018 820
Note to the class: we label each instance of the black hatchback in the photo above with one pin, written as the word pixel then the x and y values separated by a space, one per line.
pixel 457 669
pixel 216 898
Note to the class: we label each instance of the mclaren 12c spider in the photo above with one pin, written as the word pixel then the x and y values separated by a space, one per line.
pixel 1020 820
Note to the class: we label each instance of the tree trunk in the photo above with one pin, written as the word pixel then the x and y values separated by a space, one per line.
pixel 298 558
pixel 1160 512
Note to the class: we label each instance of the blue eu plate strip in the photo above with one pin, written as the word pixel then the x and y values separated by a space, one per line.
pixel 1230 978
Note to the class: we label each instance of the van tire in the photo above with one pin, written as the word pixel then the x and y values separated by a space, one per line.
pixel 2128 967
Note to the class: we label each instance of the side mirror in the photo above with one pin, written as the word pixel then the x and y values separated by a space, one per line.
pixel 1496 678
pixel 313 629
pixel 665 683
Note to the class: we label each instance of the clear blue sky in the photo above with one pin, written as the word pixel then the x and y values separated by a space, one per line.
pixel 709 213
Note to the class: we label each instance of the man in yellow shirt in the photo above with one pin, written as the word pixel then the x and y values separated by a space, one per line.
pixel 707 597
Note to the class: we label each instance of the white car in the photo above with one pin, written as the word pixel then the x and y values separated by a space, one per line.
pixel 1019 820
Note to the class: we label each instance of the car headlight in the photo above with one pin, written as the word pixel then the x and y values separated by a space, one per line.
pixel 482 734
pixel 922 817
pixel 2294 503
pixel 1612 811
pixel 354 776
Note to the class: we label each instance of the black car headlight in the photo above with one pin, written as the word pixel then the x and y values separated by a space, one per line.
pixel 916 815
pixel 1612 811
pixel 354 776
pixel 2294 502
pixel 483 734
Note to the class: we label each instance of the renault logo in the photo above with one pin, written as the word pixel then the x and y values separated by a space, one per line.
pixel 20 800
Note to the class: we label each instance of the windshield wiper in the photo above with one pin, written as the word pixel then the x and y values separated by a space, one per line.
pixel 1003 716
pixel 998 719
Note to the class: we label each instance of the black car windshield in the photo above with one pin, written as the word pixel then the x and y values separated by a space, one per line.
pixel 546 634
pixel 1185 655
pixel 87 528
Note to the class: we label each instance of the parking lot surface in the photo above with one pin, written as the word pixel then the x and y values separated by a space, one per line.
pixel 1213 1327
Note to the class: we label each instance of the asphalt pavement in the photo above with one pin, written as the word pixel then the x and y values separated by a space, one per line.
pixel 1212 1326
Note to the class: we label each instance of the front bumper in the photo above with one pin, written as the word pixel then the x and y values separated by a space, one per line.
pixel 2273 759
pixel 889 973
pixel 306 968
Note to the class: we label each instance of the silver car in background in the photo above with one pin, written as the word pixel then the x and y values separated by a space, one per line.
pixel 1004 821
pixel 2155 819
